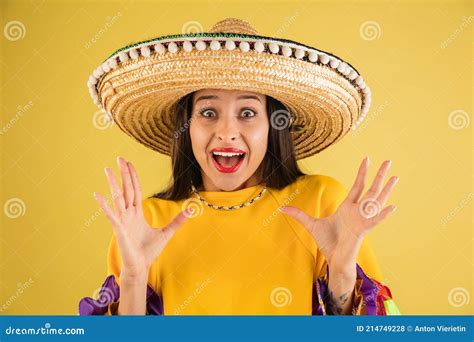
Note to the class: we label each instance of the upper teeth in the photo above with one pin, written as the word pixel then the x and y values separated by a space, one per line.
pixel 227 154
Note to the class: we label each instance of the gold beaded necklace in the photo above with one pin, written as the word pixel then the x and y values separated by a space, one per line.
pixel 233 207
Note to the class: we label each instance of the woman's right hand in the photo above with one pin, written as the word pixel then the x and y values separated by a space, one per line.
pixel 139 244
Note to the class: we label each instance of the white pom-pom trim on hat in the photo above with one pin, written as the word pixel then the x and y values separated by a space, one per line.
pixel 215 45
pixel 324 59
pixel 352 75
pixel 342 67
pixel 274 47
pixel 334 63
pixel 359 80
pixel 200 45
pixel 230 45
pixel 133 54
pixel 145 51
pixel 299 53
pixel 172 47
pixel 286 49
pixel 259 47
pixel 313 56
pixel 92 80
pixel 99 71
pixel 105 66
pixel 159 48
pixel 123 56
pixel 244 46
pixel 188 46
pixel 112 63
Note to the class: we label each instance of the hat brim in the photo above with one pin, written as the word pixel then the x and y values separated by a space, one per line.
pixel 141 92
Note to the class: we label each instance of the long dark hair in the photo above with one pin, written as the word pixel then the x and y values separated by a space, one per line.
pixel 278 169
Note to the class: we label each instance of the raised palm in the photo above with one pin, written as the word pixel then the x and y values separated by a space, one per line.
pixel 139 243
pixel 340 235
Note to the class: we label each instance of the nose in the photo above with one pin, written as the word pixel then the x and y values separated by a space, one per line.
pixel 227 130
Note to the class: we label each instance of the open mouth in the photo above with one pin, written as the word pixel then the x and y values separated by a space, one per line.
pixel 227 161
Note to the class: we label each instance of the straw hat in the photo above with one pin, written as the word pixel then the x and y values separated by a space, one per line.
pixel 139 85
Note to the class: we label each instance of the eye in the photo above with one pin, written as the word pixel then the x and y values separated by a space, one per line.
pixel 206 112
pixel 248 112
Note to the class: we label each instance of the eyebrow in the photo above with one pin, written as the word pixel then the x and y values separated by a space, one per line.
pixel 214 97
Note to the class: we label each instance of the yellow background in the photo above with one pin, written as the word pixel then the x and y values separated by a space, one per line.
pixel 417 59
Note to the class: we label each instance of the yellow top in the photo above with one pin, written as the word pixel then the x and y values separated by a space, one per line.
pixel 255 260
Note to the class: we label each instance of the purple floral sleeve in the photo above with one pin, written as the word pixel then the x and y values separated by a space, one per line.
pixel 108 299
pixel 370 297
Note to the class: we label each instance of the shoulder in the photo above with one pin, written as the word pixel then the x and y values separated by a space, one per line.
pixel 313 192
pixel 328 193
pixel 322 184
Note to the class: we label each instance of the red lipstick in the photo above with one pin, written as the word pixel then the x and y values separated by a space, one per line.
pixel 228 169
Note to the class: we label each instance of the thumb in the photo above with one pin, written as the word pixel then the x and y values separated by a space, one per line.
pixel 299 215
pixel 178 221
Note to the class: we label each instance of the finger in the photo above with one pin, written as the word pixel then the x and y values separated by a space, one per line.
pixel 137 198
pixel 108 211
pixel 377 184
pixel 177 222
pixel 382 215
pixel 126 182
pixel 117 194
pixel 359 182
pixel 384 195
pixel 299 215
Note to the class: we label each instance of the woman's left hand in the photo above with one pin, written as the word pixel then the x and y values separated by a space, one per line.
pixel 340 235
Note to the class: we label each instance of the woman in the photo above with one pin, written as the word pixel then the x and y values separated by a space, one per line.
pixel 223 239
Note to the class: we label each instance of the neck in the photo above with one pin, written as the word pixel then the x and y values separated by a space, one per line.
pixel 208 185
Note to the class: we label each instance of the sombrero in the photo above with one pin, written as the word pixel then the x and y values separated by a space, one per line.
pixel 139 85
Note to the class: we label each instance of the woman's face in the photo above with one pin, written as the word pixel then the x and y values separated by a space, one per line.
pixel 232 119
